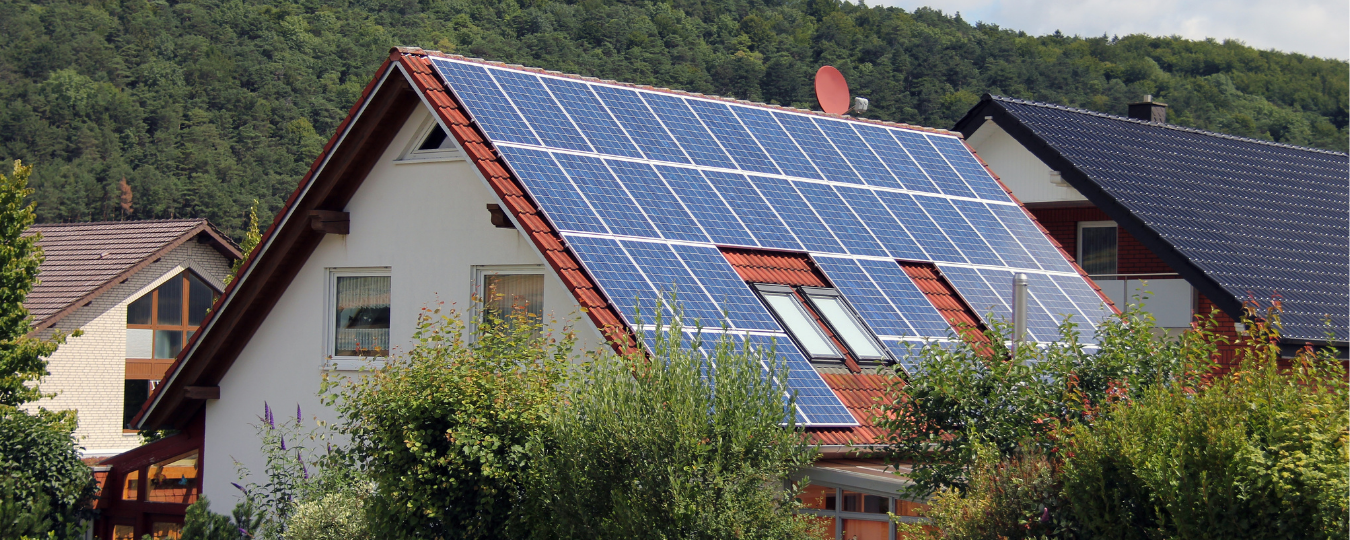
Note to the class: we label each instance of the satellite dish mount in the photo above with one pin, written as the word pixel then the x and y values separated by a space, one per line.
pixel 831 90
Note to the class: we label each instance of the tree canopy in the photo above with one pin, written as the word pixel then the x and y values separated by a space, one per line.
pixel 203 106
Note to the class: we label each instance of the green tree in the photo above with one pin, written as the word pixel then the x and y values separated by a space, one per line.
pixel 444 431
pixel 47 489
pixel 676 445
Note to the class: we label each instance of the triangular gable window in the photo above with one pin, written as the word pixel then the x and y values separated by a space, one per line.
pixel 432 143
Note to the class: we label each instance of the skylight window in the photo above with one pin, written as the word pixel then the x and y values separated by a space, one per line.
pixel 821 321
pixel 431 143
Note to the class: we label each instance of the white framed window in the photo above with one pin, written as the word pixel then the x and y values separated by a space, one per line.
pixel 431 143
pixel 826 306
pixel 1098 247
pixel 358 313
pixel 505 290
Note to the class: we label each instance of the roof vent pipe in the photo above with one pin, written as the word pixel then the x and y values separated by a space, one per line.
pixel 1019 309
pixel 1149 110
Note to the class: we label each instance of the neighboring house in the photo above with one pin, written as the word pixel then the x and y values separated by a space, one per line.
pixel 1190 220
pixel 843 241
pixel 137 290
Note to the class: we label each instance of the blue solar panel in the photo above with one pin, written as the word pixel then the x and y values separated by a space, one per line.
pixel 1059 305
pixel 817 148
pixel 982 298
pixel 1031 237
pixel 906 296
pixel 592 117
pixel 1040 323
pixel 921 227
pixel 995 234
pixel 975 175
pixel 958 230
pixel 781 148
pixel 733 136
pixel 865 296
pixel 858 154
pixel 607 197
pixel 620 279
pixel 698 196
pixel 560 200
pixel 932 163
pixel 840 219
pixel 547 118
pixel 797 214
pixel 743 309
pixel 896 159
pixel 815 399
pixel 689 131
pixel 883 225
pixel 640 124
pixel 761 220
pixel 678 285
pixel 1091 305
pixel 656 199
pixel 486 102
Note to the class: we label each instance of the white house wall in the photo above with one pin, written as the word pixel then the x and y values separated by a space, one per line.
pixel 87 372
pixel 428 224
pixel 1027 176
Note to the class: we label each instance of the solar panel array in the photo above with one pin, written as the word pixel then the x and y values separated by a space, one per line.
pixel 644 185
pixel 1259 219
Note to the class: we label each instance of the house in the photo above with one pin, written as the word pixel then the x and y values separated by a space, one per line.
pixel 841 240
pixel 136 290
pixel 1188 220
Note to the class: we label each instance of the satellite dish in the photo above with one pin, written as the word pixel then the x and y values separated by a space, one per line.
pixel 831 90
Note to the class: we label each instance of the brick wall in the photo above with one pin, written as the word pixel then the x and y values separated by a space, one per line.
pixel 87 371
pixel 1132 257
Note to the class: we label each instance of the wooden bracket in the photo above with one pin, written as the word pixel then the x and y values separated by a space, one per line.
pixel 499 217
pixel 330 221
pixel 201 392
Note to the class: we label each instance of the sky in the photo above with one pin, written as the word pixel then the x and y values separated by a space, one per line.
pixel 1310 27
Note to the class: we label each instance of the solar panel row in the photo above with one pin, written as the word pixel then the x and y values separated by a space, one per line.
pixel 524 108
pixel 630 198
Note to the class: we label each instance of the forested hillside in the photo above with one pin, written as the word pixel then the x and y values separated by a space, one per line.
pixel 203 106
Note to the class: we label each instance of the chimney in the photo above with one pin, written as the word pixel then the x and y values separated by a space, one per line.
pixel 1149 110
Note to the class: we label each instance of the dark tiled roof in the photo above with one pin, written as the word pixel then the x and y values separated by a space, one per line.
pixel 81 258
pixel 1260 219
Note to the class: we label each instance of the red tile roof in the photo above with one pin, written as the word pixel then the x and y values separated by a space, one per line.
pixel 774 267
pixel 860 393
pixel 83 260
pixel 943 297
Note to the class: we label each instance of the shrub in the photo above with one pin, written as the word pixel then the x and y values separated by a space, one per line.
pixel 444 431
pixel 682 445
pixel 44 487
pixel 335 516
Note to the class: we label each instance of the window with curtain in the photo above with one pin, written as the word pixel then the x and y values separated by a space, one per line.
pixel 510 291
pixel 361 327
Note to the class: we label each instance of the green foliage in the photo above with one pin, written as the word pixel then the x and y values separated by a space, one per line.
pixel 976 395
pixel 22 356
pixel 685 446
pixel 205 106
pixel 445 431
pixel 45 487
pixel 200 524
pixel 1259 452
pixel 252 237
pixel 336 516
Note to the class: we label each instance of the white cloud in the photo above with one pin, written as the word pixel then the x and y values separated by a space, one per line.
pixel 1310 27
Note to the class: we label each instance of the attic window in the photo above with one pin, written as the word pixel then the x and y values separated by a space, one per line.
pixel 432 143
pixel 822 322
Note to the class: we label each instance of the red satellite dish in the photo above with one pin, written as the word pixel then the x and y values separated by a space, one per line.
pixel 831 90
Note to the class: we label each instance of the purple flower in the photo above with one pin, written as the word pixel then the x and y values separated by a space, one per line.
pixel 1045 515
pixel 283 442
pixel 239 487
pixel 267 415
pixel 298 417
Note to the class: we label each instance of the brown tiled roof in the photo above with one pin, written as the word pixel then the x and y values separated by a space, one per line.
pixel 85 259
pixel 860 393
pixel 762 266
pixel 943 296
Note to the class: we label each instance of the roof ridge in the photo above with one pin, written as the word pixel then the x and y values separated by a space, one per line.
pixel 724 99
pixel 123 222
pixel 1161 125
